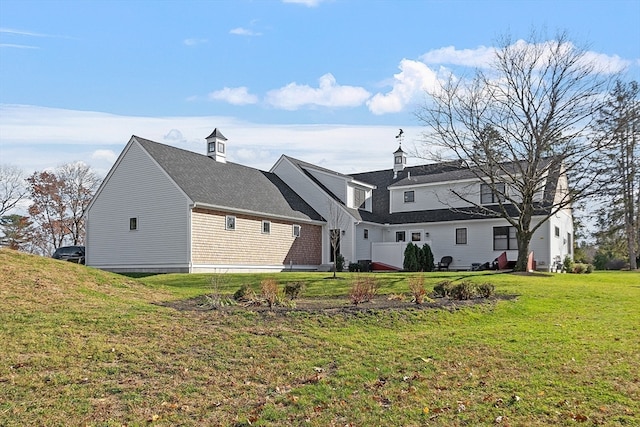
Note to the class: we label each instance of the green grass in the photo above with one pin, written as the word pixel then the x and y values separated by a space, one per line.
pixel 84 347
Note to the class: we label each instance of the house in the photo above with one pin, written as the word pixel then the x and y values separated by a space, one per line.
pixel 162 208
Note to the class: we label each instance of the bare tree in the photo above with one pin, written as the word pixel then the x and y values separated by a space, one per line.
pixel 619 124
pixel 335 222
pixel 79 185
pixel 520 127
pixel 12 187
pixel 60 199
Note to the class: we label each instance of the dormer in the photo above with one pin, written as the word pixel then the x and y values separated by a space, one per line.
pixel 216 146
pixel 399 161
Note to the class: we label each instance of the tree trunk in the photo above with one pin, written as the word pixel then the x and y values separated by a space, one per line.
pixel 523 251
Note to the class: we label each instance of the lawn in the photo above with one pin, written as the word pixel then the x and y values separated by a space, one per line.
pixel 85 347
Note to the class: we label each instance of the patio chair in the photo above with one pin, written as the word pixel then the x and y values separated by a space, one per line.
pixel 444 263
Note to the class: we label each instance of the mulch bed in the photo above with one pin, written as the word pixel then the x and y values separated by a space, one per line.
pixel 332 305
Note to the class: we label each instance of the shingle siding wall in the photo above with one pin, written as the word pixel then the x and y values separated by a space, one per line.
pixel 247 245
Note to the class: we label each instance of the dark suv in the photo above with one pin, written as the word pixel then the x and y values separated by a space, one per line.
pixel 70 253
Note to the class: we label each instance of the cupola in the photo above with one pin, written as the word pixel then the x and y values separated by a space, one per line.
pixel 216 146
pixel 399 156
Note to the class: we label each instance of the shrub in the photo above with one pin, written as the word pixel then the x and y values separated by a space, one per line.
pixel 269 291
pixel 410 262
pixel 215 298
pixel 362 290
pixel 463 291
pixel 567 264
pixel 241 294
pixel 339 262
pixel 443 289
pixel 355 267
pixel 416 287
pixel 293 290
pixel 427 258
pixel 486 290
pixel 580 268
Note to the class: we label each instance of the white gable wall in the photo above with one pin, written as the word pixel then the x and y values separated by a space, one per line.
pixel 319 201
pixel 138 188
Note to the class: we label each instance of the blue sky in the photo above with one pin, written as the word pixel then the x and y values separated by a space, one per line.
pixel 328 82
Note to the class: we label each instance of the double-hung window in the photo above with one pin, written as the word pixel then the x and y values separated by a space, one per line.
pixel 409 196
pixel 504 238
pixel 492 194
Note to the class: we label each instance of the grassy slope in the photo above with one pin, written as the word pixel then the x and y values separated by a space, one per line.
pixel 81 346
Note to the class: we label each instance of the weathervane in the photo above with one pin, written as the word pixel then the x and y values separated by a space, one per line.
pixel 400 136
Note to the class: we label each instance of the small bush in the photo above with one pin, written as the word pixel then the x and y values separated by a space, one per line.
pixel 582 268
pixel 362 290
pixel 340 262
pixel 486 290
pixel 269 291
pixel 567 264
pixel 463 291
pixel 242 293
pixel 416 287
pixel 443 289
pixel 355 267
pixel 293 290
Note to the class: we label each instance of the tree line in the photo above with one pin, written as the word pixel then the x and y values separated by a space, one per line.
pixel 55 203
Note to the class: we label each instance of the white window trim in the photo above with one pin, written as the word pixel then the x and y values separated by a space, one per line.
pixel 466 235
pixel 296 230
pixel 268 224
pixel 404 196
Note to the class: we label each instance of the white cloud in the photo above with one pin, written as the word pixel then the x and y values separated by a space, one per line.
pixel 194 41
pixel 17 46
pixel 244 32
pixel 234 95
pixel 39 138
pixel 328 94
pixel 308 3
pixel 478 57
pixel 408 85
pixel 107 155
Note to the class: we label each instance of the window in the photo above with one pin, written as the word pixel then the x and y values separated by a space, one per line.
pixel 230 222
pixel 220 147
pixel 398 160
pixel 461 236
pixel 266 227
pixel 212 147
pixel 400 236
pixel 556 231
pixel 409 196
pixel 489 196
pixel 133 223
pixel 366 233
pixel 296 230
pixel 504 238
pixel 359 196
pixel 416 236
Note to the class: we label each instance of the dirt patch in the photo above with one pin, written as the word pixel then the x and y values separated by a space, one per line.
pixel 332 305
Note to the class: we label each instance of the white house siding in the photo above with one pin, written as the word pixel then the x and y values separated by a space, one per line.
pixel 430 197
pixel 336 184
pixel 442 240
pixel 363 246
pixel 137 188
pixel 320 202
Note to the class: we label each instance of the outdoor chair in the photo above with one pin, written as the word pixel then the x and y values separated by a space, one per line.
pixel 444 263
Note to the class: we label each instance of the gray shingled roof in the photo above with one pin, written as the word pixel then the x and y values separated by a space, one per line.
pixel 229 185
